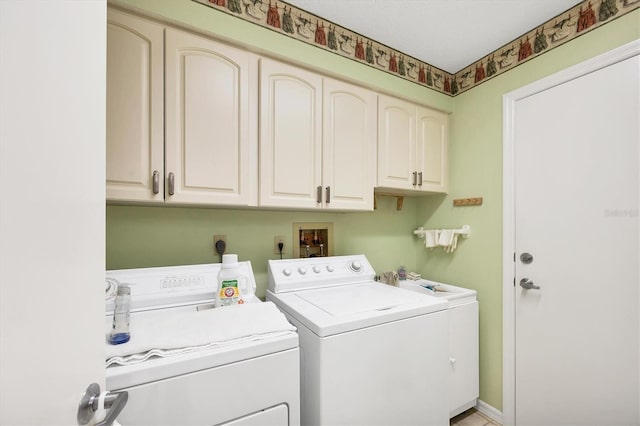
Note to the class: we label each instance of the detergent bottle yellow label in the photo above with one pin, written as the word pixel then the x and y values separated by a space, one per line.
pixel 229 293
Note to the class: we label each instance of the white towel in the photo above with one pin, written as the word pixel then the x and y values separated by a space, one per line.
pixel 446 236
pixel 454 242
pixel 448 239
pixel 189 331
pixel 431 238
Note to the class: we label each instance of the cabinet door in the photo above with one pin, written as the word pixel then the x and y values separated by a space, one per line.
pixel 464 379
pixel 135 151
pixel 432 138
pixel 290 136
pixel 207 122
pixel 396 143
pixel 348 146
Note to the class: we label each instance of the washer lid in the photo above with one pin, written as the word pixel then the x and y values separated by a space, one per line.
pixel 333 310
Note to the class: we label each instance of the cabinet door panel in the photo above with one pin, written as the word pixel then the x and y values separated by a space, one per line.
pixel 290 135
pixel 207 146
pixel 396 145
pixel 431 155
pixel 463 385
pixel 349 145
pixel 210 119
pixel 134 108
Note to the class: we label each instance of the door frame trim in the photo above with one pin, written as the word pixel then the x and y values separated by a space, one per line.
pixel 509 101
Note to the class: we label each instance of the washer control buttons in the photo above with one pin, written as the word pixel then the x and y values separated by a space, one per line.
pixel 286 272
pixel 329 268
pixel 355 266
pixel 302 270
pixel 316 269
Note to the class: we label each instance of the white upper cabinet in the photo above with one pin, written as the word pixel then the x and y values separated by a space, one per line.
pixel 349 146
pixel 317 140
pixel 432 146
pixel 396 143
pixel 208 150
pixel 194 121
pixel 135 109
pixel 412 147
pixel 290 136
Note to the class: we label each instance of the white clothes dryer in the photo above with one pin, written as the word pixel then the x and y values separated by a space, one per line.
pixel 250 379
pixel 371 354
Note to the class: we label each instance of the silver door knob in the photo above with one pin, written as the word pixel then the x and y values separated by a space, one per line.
pixel 526 258
pixel 90 403
pixel 527 284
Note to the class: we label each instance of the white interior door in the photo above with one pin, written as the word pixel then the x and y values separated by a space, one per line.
pixel 576 190
pixel 52 165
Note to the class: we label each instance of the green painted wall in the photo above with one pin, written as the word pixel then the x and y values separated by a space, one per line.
pixel 154 236
pixel 476 171
pixel 158 236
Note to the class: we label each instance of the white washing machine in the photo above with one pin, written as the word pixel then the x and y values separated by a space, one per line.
pixel 248 374
pixel 371 354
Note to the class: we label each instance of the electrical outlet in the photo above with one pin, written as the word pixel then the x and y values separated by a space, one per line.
pixel 276 240
pixel 217 238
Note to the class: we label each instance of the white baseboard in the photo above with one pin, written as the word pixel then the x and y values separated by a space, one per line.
pixel 489 411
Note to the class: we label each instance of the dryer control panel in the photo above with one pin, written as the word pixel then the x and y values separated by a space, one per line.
pixel 153 288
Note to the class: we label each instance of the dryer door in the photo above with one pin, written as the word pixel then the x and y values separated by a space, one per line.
pixel 278 415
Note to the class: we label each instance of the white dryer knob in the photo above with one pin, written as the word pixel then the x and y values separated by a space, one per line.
pixel 302 270
pixel 356 266
pixel 329 268
pixel 286 272
pixel 316 269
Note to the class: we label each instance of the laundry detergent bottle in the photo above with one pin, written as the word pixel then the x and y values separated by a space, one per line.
pixel 234 286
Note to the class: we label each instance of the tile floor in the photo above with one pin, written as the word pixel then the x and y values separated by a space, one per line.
pixel 472 417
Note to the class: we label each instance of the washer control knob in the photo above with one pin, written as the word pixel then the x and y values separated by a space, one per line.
pixel 302 270
pixel 329 268
pixel 286 272
pixel 356 266
pixel 316 269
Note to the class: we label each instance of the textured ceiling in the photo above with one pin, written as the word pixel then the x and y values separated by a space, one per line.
pixel 448 34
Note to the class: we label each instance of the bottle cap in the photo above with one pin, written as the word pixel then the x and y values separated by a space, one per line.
pixel 123 290
pixel 229 260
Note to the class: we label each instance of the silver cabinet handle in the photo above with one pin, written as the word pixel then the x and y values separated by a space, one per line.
pixel 156 181
pixel 319 194
pixel 172 181
pixel 527 284
pixel 415 178
pixel 328 189
pixel 90 403
pixel 419 178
